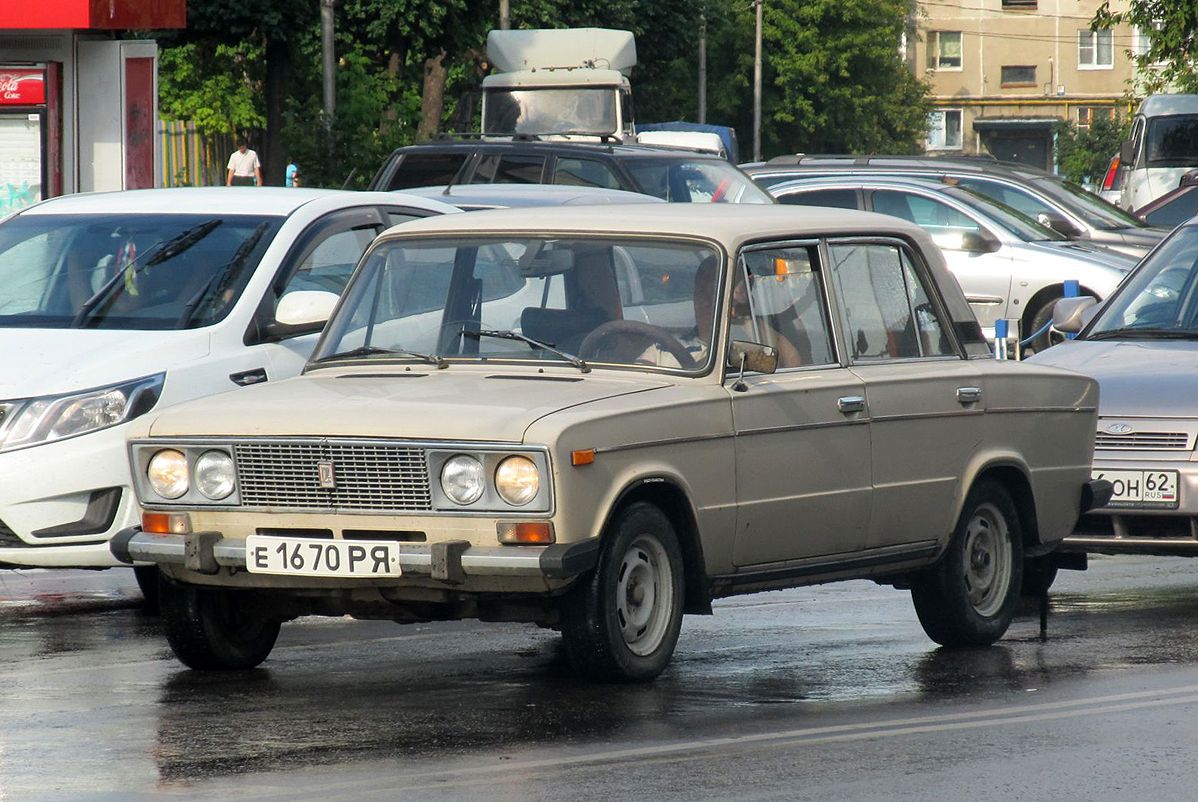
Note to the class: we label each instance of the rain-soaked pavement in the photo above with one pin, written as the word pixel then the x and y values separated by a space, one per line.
pixel 829 693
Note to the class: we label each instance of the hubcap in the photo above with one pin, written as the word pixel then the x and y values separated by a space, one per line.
pixel 988 560
pixel 644 595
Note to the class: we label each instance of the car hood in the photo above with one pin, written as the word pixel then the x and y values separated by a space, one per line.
pixel 1134 242
pixel 54 361
pixel 458 403
pixel 1136 378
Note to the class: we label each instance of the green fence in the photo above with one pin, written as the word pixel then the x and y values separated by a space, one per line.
pixel 187 159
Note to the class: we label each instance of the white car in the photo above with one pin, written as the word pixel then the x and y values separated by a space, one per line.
pixel 113 304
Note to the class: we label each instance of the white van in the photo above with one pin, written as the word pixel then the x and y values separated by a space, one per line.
pixel 1162 148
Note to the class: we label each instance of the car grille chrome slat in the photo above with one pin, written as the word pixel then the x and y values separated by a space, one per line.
pixel 368 476
pixel 1143 441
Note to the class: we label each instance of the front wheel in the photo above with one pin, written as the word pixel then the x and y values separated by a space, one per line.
pixel 211 629
pixel 622 622
pixel 969 596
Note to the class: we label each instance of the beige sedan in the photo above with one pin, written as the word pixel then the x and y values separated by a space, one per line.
pixel 600 419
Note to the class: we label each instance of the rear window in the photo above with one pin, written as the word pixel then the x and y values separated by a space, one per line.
pixel 426 170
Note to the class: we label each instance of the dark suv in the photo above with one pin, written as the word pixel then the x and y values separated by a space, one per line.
pixel 673 174
pixel 1049 199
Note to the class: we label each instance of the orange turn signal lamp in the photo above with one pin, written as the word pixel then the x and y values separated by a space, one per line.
pixel 166 523
pixel 525 533
pixel 583 456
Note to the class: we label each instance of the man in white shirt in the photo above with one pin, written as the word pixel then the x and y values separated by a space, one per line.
pixel 244 168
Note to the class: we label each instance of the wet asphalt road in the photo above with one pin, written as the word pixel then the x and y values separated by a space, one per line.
pixel 828 693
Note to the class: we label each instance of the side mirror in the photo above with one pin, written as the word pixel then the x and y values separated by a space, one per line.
pixel 968 241
pixel 1058 223
pixel 300 312
pixel 1126 154
pixel 753 357
pixel 1070 315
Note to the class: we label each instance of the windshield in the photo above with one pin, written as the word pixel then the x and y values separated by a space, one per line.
pixel 1172 141
pixel 1100 214
pixel 550 111
pixel 1161 295
pixel 1006 217
pixel 127 271
pixel 695 181
pixel 606 301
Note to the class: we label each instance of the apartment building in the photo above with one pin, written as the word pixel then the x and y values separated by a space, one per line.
pixel 1003 71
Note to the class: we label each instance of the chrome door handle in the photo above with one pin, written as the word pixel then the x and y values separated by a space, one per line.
pixel 969 395
pixel 851 403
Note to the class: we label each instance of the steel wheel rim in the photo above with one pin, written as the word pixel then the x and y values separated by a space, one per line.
pixel 644 595
pixel 988 560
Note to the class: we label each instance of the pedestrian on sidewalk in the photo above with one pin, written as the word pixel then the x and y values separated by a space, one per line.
pixel 244 168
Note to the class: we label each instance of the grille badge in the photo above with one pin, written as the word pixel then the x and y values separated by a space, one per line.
pixel 1119 428
pixel 327 474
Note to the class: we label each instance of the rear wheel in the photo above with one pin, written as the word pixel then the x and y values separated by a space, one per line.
pixel 1041 318
pixel 211 629
pixel 622 622
pixel 969 596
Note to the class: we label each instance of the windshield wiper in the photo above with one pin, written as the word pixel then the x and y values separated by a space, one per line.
pixel 167 250
pixel 374 350
pixel 223 277
pixel 1134 333
pixel 512 335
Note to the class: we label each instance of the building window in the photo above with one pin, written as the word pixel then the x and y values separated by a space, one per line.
pixel 1019 5
pixel 1142 41
pixel 1020 75
pixel 1095 50
pixel 1086 115
pixel 944 50
pixel 944 129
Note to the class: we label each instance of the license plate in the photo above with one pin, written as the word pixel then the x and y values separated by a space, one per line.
pixel 1146 489
pixel 310 557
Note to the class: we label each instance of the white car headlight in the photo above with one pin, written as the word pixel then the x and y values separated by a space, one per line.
pixel 215 475
pixel 462 479
pixel 168 473
pixel 517 480
pixel 42 420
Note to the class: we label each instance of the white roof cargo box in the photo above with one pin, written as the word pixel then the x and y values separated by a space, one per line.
pixel 603 48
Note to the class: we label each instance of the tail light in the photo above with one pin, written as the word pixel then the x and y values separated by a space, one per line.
pixel 1112 174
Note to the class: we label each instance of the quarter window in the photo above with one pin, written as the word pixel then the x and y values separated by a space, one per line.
pixel 944 50
pixel 887 309
pixel 778 299
pixel 1094 50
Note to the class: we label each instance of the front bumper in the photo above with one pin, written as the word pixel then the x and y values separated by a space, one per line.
pixel 450 561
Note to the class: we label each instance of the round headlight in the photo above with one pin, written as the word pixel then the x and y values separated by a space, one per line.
pixel 167 473
pixel 215 476
pixel 517 480
pixel 462 479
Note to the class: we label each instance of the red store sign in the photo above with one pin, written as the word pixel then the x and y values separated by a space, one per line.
pixel 22 87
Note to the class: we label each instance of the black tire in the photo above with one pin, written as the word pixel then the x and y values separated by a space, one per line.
pixel 969 596
pixel 147 583
pixel 212 629
pixel 621 623
pixel 1038 320
pixel 1038 575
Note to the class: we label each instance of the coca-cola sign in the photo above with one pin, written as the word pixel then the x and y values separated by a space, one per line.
pixel 20 87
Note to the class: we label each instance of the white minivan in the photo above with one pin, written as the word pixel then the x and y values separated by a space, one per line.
pixel 1162 148
pixel 113 304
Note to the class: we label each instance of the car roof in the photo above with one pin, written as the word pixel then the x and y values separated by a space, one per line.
pixel 619 149
pixel 1169 104
pixel 504 195
pixel 730 224
pixel 932 183
pixel 280 201
pixel 981 165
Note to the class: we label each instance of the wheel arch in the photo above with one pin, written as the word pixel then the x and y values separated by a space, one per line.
pixel 1014 477
pixel 667 494
pixel 1044 295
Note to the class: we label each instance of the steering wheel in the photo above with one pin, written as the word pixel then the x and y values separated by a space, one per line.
pixel 627 339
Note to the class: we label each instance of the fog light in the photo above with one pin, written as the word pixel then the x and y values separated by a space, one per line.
pixel 526 533
pixel 166 523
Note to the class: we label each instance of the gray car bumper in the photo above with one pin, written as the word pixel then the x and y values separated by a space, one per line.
pixel 208 552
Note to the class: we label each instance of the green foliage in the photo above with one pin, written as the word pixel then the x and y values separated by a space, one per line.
pixel 219 101
pixel 1083 153
pixel 1169 64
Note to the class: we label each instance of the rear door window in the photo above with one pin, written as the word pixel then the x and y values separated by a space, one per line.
pixel 427 170
pixel 509 169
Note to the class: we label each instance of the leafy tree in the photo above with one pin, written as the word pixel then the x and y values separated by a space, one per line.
pixel 1169 63
pixel 1083 153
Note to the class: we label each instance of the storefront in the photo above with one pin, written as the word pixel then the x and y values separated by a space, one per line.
pixel 78 96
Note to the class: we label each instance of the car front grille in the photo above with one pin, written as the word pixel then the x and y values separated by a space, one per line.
pixel 1143 441
pixel 375 477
